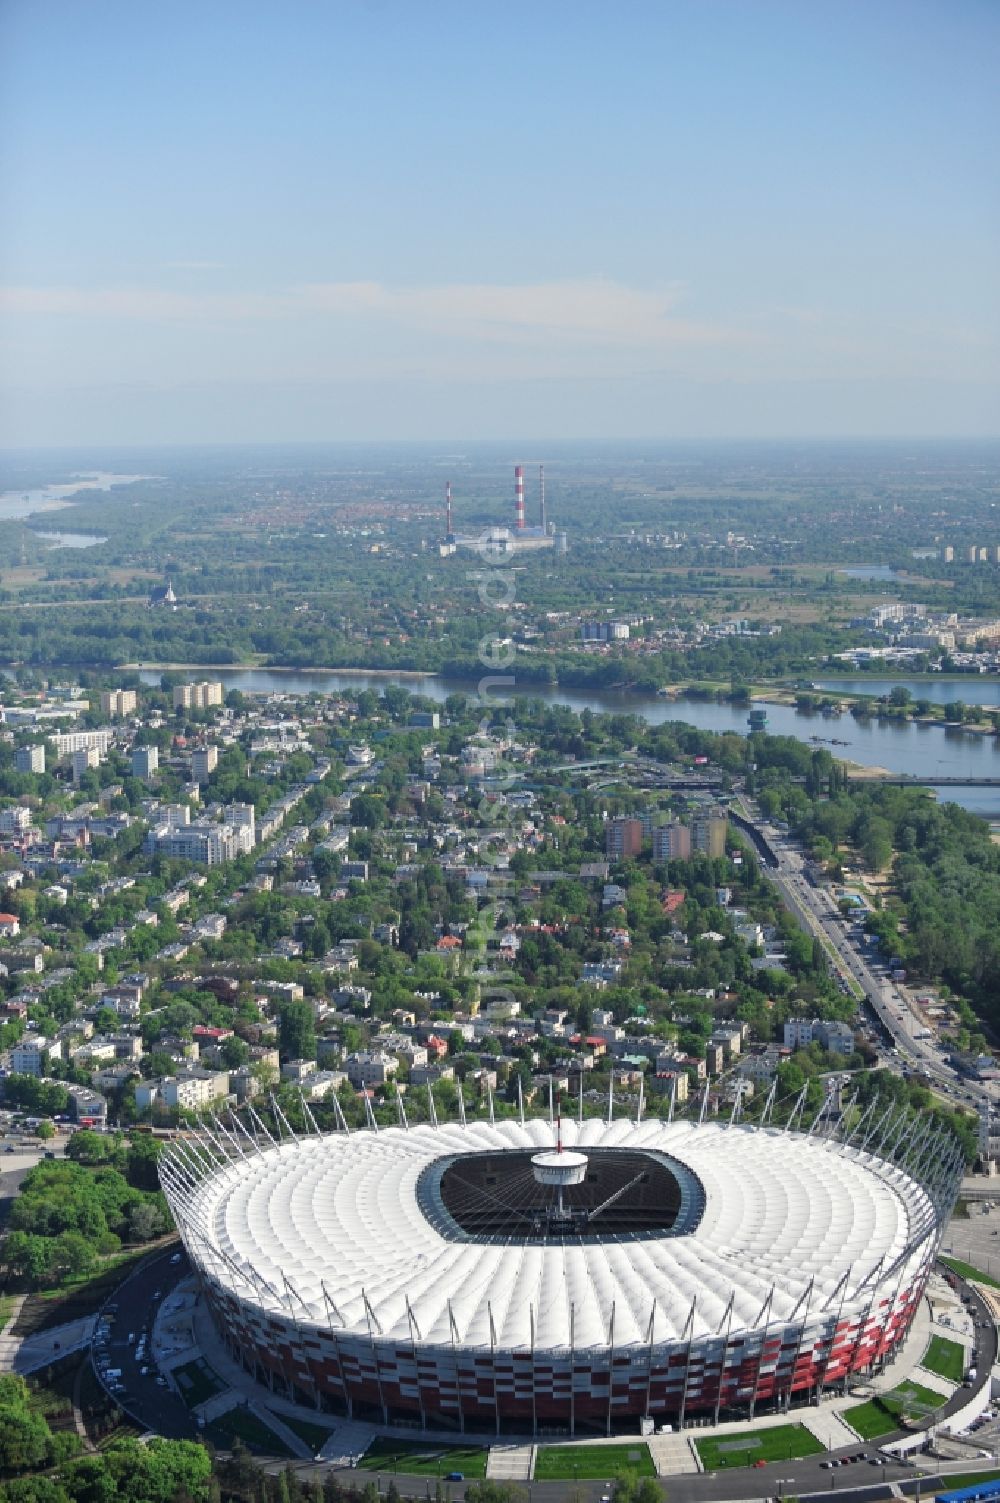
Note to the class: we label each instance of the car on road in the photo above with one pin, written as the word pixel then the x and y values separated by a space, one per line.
pixel 455 1477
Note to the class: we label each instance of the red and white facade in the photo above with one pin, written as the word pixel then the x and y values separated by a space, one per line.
pixel 333 1274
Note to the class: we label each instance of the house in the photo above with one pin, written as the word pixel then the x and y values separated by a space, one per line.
pixel 10 925
pixel 368 1069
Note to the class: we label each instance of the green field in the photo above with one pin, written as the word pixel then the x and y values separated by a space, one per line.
pixel 196 1382
pixel 778 1443
pixel 592 1463
pixel 239 1423
pixel 946 1358
pixel 883 1415
pixel 967 1479
pixel 967 1271
pixel 385 1455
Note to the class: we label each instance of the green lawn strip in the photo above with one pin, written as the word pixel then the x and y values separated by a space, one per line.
pixel 952 1484
pixel 385 1455
pixel 7 1302
pixel 592 1463
pixel 315 1436
pixel 871 1420
pixel 777 1443
pixel 884 1414
pixel 946 1358
pixel 967 1271
pixel 196 1382
pixel 239 1423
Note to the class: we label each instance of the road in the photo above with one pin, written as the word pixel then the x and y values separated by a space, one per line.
pixel 132 1311
pixel 817 912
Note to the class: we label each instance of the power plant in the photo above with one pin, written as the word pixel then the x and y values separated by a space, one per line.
pixel 500 538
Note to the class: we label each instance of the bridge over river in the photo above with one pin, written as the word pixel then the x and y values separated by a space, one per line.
pixel 913 780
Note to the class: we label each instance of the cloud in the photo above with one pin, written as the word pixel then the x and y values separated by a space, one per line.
pixel 581 311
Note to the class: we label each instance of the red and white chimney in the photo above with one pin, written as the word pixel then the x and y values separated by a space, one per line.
pixel 449 530
pixel 519 497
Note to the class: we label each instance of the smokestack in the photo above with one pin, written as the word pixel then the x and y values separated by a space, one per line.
pixel 449 530
pixel 519 497
pixel 541 497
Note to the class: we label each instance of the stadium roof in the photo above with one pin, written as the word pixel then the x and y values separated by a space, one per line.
pixel 348 1224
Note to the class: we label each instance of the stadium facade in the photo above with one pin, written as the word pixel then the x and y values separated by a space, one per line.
pixel 501 1277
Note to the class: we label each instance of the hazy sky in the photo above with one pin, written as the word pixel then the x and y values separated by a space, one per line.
pixel 413 218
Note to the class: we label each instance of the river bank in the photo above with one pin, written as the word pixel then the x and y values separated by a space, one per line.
pixel 392 673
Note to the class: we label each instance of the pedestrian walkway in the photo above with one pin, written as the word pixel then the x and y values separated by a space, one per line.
pixel 348 1442
pixel 511 1463
pixel 51 1346
pixel 9 1344
pixel 934 1381
pixel 674 1455
pixel 26 1354
pixel 829 1428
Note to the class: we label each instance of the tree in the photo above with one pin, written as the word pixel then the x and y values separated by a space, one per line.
pixel 141 1160
pixel 72 1254
pixel 296 1031
pixel 28 1255
pixel 46 1131
pixel 144 1221
pixel 24 1436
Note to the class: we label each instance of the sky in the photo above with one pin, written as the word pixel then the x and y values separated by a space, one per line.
pixel 380 219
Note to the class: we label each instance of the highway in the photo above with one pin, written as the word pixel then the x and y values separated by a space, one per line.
pixel 816 911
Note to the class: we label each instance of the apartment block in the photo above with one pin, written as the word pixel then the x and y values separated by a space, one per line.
pixel 118 702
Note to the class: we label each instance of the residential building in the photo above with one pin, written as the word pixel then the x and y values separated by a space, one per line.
pixel 241 818
pixel 145 761
pixel 30 1055
pixel 708 834
pixel 83 760
pixel 671 842
pixel 14 820
pixel 200 696
pixel 204 761
pixel 370 1069
pixel 187 1092
pixel 67 742
pixel 623 838
pixel 798 1033
pixel 118 702
pixel 30 759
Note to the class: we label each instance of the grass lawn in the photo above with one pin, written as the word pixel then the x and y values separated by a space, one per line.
pixel 254 1434
pixel 313 1435
pixel 196 1382
pixel 778 1443
pixel 592 1463
pixel 967 1271
pixel 966 1479
pixel 883 1415
pixel 384 1455
pixel 946 1358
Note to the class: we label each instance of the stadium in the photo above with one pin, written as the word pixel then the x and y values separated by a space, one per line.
pixel 574 1278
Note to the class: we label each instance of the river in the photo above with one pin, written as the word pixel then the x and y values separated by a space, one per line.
pixel 25 503
pixel 899 746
